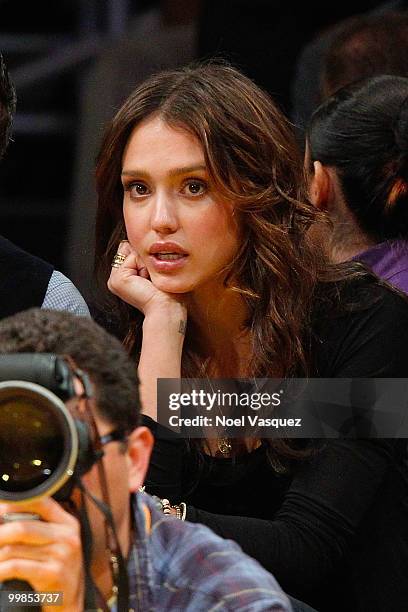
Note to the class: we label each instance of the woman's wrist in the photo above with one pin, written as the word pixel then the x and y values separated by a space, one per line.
pixel 168 309
pixel 177 510
pixel 171 322
pixel 171 319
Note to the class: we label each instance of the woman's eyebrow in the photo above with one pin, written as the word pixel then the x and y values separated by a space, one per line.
pixel 138 173
pixel 174 172
pixel 187 169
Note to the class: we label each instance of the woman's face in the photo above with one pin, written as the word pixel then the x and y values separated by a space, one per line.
pixel 178 224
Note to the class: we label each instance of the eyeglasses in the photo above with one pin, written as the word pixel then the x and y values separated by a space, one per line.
pixel 117 435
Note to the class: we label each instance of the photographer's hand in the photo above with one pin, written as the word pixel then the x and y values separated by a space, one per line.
pixel 47 553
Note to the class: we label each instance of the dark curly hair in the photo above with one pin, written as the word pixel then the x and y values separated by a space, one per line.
pixel 253 160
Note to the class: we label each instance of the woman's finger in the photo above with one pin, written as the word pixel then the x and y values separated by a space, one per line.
pixel 124 248
pixel 144 273
pixel 141 268
pixel 134 262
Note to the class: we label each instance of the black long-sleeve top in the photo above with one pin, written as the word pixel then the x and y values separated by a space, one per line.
pixel 334 529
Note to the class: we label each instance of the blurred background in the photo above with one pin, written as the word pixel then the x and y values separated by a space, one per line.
pixel 74 62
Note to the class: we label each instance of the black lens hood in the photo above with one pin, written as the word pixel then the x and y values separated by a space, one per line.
pixel 44 369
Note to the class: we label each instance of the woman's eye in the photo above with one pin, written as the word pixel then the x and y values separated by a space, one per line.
pixel 194 188
pixel 137 189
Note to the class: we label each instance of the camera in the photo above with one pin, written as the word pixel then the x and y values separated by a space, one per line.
pixel 44 446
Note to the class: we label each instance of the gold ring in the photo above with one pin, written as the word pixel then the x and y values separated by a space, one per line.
pixel 118 260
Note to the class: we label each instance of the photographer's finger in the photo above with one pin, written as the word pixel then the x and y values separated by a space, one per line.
pixel 45 566
pixel 33 572
pixel 34 533
pixel 26 551
pixel 47 576
pixel 66 548
pixel 46 508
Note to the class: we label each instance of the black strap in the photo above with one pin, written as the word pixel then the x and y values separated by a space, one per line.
pixel 121 578
pixel 93 598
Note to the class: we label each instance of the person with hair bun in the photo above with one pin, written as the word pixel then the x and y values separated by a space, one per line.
pixel 357 164
pixel 204 217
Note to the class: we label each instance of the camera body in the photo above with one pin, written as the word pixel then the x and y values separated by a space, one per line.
pixel 44 447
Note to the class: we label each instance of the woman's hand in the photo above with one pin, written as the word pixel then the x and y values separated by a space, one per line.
pixel 163 328
pixel 131 282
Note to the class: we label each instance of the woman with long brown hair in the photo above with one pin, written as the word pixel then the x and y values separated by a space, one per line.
pixel 203 215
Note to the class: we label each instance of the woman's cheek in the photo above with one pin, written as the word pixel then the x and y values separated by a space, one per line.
pixel 134 235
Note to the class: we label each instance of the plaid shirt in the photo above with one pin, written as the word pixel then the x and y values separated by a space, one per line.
pixel 61 294
pixel 179 566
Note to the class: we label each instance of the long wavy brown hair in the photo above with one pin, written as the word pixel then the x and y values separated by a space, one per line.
pixel 253 160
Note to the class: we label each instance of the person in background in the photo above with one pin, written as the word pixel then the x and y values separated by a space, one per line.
pixel 26 280
pixel 357 166
pixel 359 47
pixel 204 215
pixel 172 565
pixel 366 46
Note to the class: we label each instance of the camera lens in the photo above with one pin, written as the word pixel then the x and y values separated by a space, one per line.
pixel 31 443
pixel 38 441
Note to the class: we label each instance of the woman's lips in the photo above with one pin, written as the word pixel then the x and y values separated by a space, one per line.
pixel 167 262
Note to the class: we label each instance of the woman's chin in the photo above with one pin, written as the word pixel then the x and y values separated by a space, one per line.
pixel 172 285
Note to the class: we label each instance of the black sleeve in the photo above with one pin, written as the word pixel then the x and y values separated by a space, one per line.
pixel 165 468
pixel 314 527
pixel 366 344
pixel 320 513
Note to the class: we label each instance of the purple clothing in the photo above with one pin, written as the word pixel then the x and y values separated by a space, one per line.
pixel 389 260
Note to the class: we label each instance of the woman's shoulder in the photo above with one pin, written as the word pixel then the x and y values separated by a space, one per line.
pixel 357 294
pixel 357 290
pixel 360 328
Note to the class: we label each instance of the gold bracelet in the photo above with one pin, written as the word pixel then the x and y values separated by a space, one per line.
pixel 181 511
pixel 178 512
pixel 184 511
pixel 166 507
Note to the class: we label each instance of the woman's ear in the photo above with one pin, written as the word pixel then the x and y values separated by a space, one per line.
pixel 140 444
pixel 320 186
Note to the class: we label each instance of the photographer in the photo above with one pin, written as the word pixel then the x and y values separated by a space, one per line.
pixel 171 565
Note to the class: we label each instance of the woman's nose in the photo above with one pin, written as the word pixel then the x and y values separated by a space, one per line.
pixel 164 215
